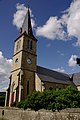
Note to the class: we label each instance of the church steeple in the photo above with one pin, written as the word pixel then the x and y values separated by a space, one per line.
pixel 22 80
pixel 27 24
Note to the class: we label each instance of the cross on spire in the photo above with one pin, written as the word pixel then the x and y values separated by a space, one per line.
pixel 28 3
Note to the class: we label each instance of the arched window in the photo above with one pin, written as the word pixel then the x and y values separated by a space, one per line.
pixel 29 45
pixel 28 84
pixel 18 46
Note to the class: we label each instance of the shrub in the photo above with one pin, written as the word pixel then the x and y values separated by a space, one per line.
pixel 2 98
pixel 52 100
pixel 20 104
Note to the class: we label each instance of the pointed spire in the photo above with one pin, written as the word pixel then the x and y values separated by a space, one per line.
pixel 27 24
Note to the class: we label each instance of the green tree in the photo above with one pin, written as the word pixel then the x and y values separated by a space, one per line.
pixel 2 98
pixel 52 99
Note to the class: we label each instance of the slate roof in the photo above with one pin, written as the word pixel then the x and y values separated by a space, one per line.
pixel 48 75
pixel 26 26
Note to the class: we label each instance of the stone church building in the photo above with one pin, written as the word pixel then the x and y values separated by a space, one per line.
pixel 26 76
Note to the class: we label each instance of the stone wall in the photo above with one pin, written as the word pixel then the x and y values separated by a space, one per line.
pixel 18 114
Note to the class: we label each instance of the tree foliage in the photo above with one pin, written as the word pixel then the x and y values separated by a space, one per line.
pixel 2 98
pixel 52 99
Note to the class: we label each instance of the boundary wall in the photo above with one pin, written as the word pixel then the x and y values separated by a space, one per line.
pixel 20 114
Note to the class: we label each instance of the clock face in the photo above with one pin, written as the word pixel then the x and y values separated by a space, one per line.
pixel 29 61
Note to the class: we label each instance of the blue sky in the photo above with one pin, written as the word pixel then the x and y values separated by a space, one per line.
pixel 55 25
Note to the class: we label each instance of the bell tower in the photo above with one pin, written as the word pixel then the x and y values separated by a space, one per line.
pixel 22 79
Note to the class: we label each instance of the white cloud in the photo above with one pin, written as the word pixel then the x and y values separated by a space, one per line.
pixel 72 19
pixel 19 16
pixel 52 29
pixel 63 28
pixel 72 61
pixel 5 68
pixel 33 23
pixel 59 52
pixel 60 69
pixel 48 45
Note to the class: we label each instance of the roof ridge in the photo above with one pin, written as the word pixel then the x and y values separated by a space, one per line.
pixel 52 70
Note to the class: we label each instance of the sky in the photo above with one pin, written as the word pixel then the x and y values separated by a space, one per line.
pixel 55 25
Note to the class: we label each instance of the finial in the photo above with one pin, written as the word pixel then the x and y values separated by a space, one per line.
pixel 28 3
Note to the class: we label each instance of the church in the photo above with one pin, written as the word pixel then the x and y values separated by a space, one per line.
pixel 26 76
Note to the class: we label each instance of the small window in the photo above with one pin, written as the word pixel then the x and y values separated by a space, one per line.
pixel 59 88
pixel 50 88
pixel 16 61
pixel 28 84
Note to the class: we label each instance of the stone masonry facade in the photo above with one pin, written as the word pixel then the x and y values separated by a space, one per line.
pixel 20 114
